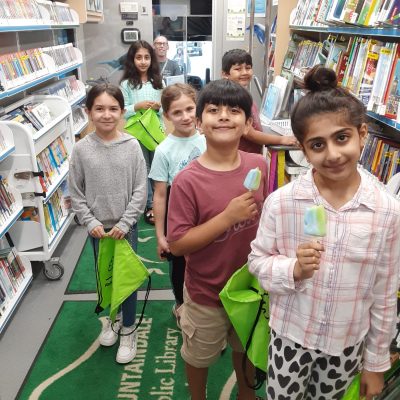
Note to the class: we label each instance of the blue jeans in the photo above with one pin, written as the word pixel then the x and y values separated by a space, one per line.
pixel 129 305
pixel 148 157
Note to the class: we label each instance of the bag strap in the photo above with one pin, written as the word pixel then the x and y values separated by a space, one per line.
pixel 260 375
pixel 146 297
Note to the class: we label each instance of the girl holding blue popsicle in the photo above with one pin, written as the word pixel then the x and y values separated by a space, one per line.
pixel 332 271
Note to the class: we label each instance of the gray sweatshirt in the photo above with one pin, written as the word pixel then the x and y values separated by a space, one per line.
pixel 108 182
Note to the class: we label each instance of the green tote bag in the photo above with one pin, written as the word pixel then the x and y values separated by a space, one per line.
pixel 247 306
pixel 119 273
pixel 146 127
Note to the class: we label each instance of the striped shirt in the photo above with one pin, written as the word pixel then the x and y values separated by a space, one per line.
pixel 133 96
pixel 353 294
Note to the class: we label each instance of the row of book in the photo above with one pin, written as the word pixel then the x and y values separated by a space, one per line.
pixel 356 61
pixel 21 67
pixel 7 202
pixel 35 115
pixel 67 88
pixel 55 211
pixel 79 118
pixel 63 55
pixel 24 66
pixel 370 13
pixel 381 157
pixel 51 161
pixel 12 274
pixel 34 12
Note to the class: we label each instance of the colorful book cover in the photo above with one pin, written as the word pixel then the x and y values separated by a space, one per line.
pixel 393 99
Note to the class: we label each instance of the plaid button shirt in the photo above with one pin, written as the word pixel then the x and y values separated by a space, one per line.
pixel 353 294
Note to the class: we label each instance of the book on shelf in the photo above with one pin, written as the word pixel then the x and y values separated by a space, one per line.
pixel 78 117
pixel 50 161
pixel 368 13
pixel 38 114
pixel 381 157
pixel 7 201
pixel 12 271
pixel 18 115
pixel 21 67
pixel 67 88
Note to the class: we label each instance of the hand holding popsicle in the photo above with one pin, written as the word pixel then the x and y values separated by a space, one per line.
pixel 309 253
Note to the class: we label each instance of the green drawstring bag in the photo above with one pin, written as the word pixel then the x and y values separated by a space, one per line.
pixel 247 306
pixel 119 273
pixel 146 127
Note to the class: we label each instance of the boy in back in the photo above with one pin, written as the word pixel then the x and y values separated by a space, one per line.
pixel 237 66
pixel 212 219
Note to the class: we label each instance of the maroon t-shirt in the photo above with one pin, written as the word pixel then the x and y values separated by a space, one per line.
pixel 247 145
pixel 199 194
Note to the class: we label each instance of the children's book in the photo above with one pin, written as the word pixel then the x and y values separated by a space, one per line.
pixel 393 99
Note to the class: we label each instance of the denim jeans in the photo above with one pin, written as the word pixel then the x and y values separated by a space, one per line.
pixel 128 307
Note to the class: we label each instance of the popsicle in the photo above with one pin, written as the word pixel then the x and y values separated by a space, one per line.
pixel 315 221
pixel 253 179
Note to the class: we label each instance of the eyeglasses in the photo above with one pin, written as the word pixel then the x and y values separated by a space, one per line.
pixel 161 44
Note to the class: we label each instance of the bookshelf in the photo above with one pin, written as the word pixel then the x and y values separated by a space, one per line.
pixel 45 153
pixel 315 34
pixel 73 90
pixel 12 287
pixel 37 42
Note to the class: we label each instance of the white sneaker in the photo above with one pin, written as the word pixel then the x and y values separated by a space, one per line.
pixel 127 345
pixel 109 334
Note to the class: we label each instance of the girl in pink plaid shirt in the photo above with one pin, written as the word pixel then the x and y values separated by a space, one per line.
pixel 332 299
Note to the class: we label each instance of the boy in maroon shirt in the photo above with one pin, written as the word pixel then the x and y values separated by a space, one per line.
pixel 212 220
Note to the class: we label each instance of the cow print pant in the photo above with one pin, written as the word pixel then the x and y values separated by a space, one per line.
pixel 297 373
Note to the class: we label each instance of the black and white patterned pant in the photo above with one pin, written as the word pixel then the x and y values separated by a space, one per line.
pixel 297 373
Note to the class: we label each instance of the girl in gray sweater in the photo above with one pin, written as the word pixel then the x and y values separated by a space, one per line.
pixel 107 183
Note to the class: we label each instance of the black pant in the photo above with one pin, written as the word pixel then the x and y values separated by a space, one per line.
pixel 176 265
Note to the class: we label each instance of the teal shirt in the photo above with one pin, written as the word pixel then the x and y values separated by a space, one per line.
pixel 133 96
pixel 175 153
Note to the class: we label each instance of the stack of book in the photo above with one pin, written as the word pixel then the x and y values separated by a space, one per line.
pixel 55 212
pixel 30 12
pixel 369 13
pixel 11 276
pixel 12 12
pixel 67 88
pixel 381 157
pixel 64 55
pixel 356 61
pixel 36 115
pixel 59 13
pixel 21 67
pixel 51 161
pixel 7 202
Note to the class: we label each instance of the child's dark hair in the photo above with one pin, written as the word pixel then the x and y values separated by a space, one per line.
pixel 131 73
pixel 225 92
pixel 233 57
pixel 324 96
pixel 99 89
pixel 174 92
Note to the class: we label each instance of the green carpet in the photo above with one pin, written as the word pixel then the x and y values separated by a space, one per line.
pixel 83 279
pixel 72 365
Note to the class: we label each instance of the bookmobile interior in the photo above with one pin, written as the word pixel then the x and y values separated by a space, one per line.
pixel 53 52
